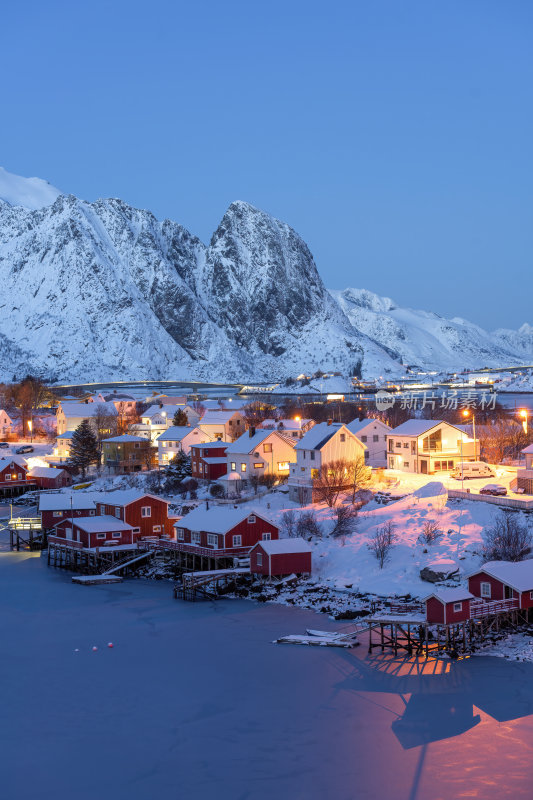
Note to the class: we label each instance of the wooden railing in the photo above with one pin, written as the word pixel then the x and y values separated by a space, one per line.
pixel 486 608
pixel 72 543
pixel 185 547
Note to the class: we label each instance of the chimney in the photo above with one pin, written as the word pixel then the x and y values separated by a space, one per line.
pixel 330 421
pixel 252 431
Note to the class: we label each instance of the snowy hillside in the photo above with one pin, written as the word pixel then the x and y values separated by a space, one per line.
pixel 29 193
pixel 99 291
pixel 424 339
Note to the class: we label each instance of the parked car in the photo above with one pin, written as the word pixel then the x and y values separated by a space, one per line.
pixel 26 448
pixel 495 489
pixel 472 469
pixel 4 444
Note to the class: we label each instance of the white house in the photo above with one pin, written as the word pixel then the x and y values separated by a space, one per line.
pixel 428 446
pixel 224 425
pixel 6 423
pixel 61 451
pixel 373 433
pixel 324 443
pixel 70 415
pixel 260 452
pixel 178 439
pixel 524 475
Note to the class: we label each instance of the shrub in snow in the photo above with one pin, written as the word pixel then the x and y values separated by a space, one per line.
pixel 288 523
pixel 308 525
pixel 430 532
pixel 345 521
pixel 508 539
pixel 216 490
pixel 382 542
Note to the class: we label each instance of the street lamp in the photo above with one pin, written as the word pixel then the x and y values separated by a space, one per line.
pixel 466 414
pixel 30 428
pixel 523 414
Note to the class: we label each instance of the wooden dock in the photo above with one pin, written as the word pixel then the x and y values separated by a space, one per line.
pixel 25 533
pixel 93 580
pixel 205 585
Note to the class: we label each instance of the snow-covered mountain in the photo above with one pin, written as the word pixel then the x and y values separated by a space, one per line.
pixel 425 339
pixel 96 291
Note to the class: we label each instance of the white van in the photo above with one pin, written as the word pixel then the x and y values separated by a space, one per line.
pixel 472 469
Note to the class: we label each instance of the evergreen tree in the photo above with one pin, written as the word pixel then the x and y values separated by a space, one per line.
pixel 180 419
pixel 177 469
pixel 84 448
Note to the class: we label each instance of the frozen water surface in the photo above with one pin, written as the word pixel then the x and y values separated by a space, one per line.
pixel 194 701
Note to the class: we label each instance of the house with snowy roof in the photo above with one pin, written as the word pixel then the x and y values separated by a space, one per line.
pixel 373 433
pixel 504 580
pixel 279 557
pixel 95 531
pixel 61 505
pixel 329 441
pixel 7 423
pixel 128 453
pixel 61 451
pixel 70 415
pixel 178 439
pixel 208 460
pixel 146 513
pixel 220 532
pixel 291 427
pixel 13 476
pixel 49 477
pixel 524 475
pixel 260 452
pixel 224 425
pixel 428 446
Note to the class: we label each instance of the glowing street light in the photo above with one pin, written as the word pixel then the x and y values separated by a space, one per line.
pixel 466 414
pixel 30 428
pixel 523 414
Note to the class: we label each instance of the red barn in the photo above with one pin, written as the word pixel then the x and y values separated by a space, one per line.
pixel 208 461
pixel 13 472
pixel 146 513
pixel 504 580
pixel 50 478
pixel 55 507
pixel 223 531
pixel 281 557
pixel 448 606
pixel 95 531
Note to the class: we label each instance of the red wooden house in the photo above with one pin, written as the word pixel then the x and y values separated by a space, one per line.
pixel 221 531
pixel 504 580
pixel 95 531
pixel 281 557
pixel 146 513
pixel 448 606
pixel 208 461
pixel 55 507
pixel 13 475
pixel 50 478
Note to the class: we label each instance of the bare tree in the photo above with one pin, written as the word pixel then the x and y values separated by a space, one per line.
pixel 360 475
pixel 382 542
pixel 255 412
pixel 104 423
pixel 332 478
pixel 26 396
pixel 508 539
pixel 147 454
pixel 288 523
pixel 430 532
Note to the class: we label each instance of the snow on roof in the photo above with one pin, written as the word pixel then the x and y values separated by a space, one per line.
pixel 45 472
pixel 216 417
pixel 287 424
pixel 176 433
pixel 217 519
pixel 451 595
pixel 417 427
pixel 247 443
pixel 215 460
pixel 66 435
pixel 358 425
pixel 528 449
pixel 169 410
pixel 295 545
pixel 317 437
pixel 122 497
pixel 86 409
pixel 125 437
pixel 210 445
pixel 13 460
pixel 64 501
pixel 101 523
pixel 516 574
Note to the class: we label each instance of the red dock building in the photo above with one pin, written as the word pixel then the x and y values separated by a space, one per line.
pixel 280 557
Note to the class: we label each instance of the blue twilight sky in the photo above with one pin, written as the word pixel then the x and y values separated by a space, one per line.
pixel 395 136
